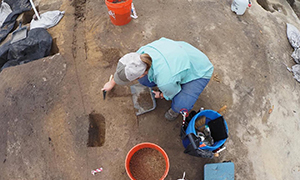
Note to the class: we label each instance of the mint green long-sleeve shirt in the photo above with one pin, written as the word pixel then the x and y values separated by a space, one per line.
pixel 175 63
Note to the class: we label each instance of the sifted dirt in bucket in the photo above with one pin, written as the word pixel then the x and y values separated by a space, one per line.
pixel 145 100
pixel 147 163
pixel 96 130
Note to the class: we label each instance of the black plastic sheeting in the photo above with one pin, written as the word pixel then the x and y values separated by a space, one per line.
pixel 37 45
pixel 17 7
pixel 195 151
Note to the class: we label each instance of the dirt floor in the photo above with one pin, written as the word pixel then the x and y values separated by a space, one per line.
pixel 51 107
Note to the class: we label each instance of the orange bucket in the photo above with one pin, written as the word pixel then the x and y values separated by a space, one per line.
pixel 142 146
pixel 119 11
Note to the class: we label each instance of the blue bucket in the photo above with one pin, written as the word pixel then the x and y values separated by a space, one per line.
pixel 210 115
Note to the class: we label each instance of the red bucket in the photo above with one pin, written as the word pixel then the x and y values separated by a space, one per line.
pixel 142 146
pixel 119 11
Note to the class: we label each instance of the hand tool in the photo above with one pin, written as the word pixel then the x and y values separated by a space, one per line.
pixel 34 9
pixel 104 92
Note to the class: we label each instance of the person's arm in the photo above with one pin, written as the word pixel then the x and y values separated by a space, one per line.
pixel 170 90
pixel 109 85
pixel 158 94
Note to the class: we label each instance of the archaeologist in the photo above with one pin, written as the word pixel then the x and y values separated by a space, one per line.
pixel 179 70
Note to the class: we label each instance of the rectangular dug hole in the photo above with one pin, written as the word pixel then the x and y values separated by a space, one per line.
pixel 96 130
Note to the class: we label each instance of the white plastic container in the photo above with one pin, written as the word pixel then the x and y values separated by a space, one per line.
pixel 240 6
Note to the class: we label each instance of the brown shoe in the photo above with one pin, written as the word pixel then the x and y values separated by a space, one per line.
pixel 171 115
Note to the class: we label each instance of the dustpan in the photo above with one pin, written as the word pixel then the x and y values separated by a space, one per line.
pixel 143 99
pixel 19 34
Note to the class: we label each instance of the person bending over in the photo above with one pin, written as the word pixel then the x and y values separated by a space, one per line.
pixel 179 70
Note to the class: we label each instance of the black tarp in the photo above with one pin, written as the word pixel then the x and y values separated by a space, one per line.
pixel 193 150
pixel 17 7
pixel 37 45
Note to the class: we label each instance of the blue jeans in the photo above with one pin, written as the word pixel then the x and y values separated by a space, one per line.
pixel 188 95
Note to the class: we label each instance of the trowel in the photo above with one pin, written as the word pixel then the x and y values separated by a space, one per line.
pixel 104 92
pixel 143 99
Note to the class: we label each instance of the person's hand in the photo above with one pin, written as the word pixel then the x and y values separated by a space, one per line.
pixel 158 94
pixel 109 85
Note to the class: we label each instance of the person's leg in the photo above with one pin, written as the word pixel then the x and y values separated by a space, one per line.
pixel 145 81
pixel 188 95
